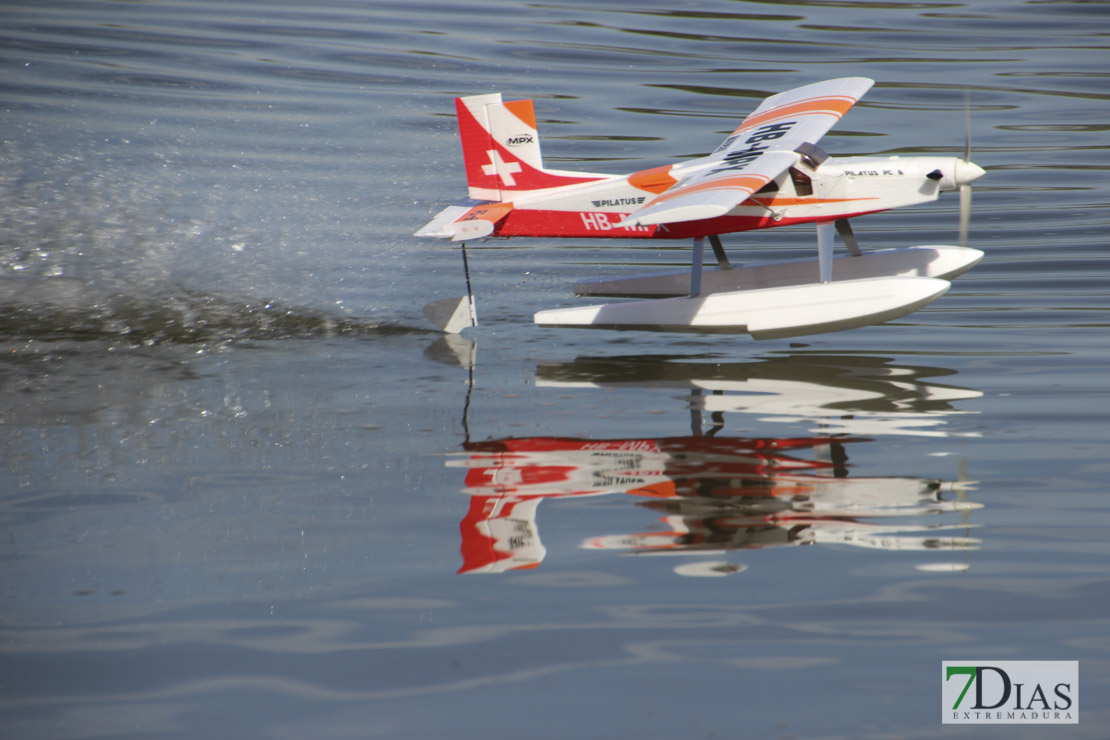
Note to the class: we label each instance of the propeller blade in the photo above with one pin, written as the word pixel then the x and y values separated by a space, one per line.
pixel 967 127
pixel 965 188
pixel 965 213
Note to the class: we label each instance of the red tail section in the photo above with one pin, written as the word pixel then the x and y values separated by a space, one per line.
pixel 501 149
pixel 499 534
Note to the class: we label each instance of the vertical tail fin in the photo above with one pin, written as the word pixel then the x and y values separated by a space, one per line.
pixel 499 533
pixel 501 149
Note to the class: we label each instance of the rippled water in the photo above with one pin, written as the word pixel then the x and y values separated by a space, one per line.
pixel 246 491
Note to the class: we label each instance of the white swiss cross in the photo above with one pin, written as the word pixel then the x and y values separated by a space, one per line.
pixel 501 168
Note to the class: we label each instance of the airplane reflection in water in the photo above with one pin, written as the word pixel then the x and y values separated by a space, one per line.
pixel 847 394
pixel 716 494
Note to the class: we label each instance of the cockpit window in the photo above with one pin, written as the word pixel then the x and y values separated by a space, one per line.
pixel 803 185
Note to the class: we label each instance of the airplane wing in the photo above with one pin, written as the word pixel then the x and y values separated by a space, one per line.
pixel 758 151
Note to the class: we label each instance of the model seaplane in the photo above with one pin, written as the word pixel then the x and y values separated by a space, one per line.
pixel 769 172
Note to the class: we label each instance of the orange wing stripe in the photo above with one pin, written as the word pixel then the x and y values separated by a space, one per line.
pixel 807 201
pixel 743 182
pixel 832 105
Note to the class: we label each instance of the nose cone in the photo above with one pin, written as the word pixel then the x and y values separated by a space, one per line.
pixel 967 172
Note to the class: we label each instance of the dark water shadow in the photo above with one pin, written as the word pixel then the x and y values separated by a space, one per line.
pixel 72 309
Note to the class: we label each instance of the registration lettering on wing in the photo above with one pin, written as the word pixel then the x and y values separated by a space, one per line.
pixel 752 147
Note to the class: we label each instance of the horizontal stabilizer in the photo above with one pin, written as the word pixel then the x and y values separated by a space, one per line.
pixel 462 223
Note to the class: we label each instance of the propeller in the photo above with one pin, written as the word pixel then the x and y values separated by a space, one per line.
pixel 966 171
pixel 962 485
pixel 963 173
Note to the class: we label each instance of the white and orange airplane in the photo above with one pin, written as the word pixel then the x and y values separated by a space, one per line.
pixel 769 172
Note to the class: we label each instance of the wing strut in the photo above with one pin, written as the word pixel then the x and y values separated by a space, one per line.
pixel 847 236
pixel 719 252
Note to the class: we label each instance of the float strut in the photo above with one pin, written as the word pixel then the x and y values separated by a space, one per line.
pixel 825 250
pixel 695 268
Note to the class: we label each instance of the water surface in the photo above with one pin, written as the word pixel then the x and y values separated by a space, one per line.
pixel 246 490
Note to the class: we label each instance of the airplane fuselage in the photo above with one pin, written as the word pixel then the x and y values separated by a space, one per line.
pixel 838 188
